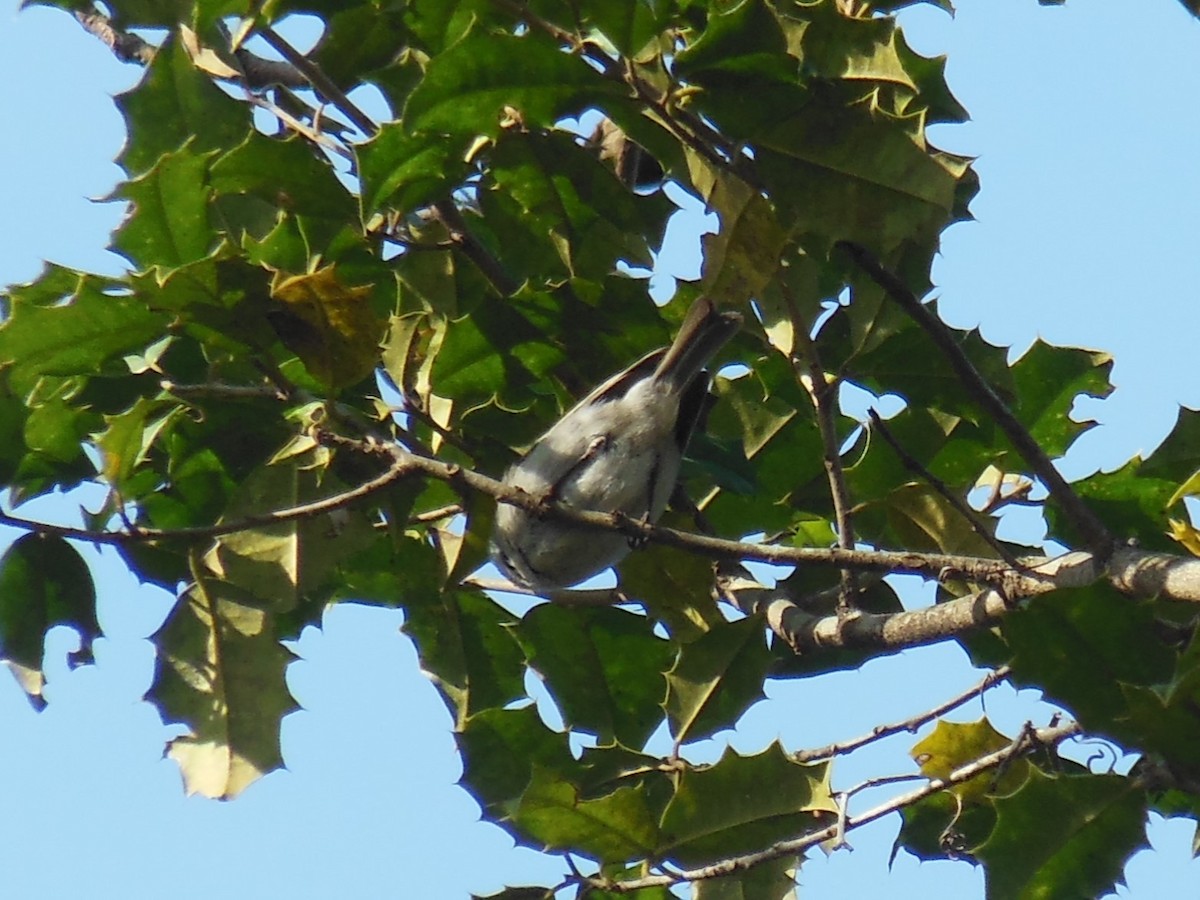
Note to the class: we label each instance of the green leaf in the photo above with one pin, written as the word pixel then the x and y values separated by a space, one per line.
pixel 612 828
pixel 283 563
pixel 1131 501
pixel 723 810
pixel 604 668
pixel 173 105
pixel 774 879
pixel 1081 645
pixel 1063 837
pixel 168 226
pixel 1178 456
pixel 467 645
pixel 403 171
pixel 43 582
pixel 920 518
pixel 746 37
pixel 501 748
pixel 1047 381
pixel 629 24
pixel 467 88
pixel 438 24
pixel 741 259
pixel 941 827
pixel 837 172
pixel 569 196
pixel 286 175
pixel 79 337
pixel 359 40
pixel 934 384
pixel 717 678
pixel 221 673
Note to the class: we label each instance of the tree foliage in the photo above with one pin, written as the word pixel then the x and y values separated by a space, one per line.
pixel 338 329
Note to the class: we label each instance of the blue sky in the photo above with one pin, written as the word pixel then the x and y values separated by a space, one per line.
pixel 1086 128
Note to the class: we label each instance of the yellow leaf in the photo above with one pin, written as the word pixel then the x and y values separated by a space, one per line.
pixel 1186 534
pixel 329 325
pixel 1189 488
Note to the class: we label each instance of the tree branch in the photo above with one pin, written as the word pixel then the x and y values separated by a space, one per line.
pixel 1028 741
pixel 820 390
pixel 461 237
pixel 911 724
pixel 910 463
pixel 321 82
pixel 1093 530
pixel 125 46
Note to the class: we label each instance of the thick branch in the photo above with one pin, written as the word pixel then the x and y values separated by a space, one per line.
pixel 1030 740
pixel 1088 523
pixel 125 46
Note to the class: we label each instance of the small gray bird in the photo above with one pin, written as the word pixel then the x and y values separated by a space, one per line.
pixel 617 450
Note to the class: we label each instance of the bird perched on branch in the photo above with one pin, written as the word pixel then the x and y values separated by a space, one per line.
pixel 617 451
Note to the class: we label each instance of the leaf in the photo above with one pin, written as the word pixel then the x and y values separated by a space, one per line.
pixel 567 194
pixel 43 582
pixel 1178 456
pixel 168 226
pixel 468 87
pixel 629 24
pixel 741 259
pixel 774 879
pixel 173 105
pixel 330 325
pixel 1081 645
pixel 286 175
pixel 285 562
pixel 716 679
pixel 467 645
pixel 922 519
pixel 1064 836
pixel 604 668
pixel 501 748
pixel 78 337
pixel 723 810
pixel 952 745
pixel 1186 534
pixel 1131 501
pixel 221 673
pixel 836 172
pixel 1047 381
pixel 940 827
pixel 612 828
pixel 745 37
pixel 403 171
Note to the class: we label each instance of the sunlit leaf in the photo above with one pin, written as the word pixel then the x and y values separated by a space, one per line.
pixel 221 673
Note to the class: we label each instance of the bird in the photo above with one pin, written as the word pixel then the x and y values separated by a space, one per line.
pixel 616 451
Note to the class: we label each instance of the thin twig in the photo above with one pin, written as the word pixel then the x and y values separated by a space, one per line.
pixel 321 82
pixel 1093 530
pixel 823 398
pixel 880 781
pixel 452 218
pixel 1027 742
pixel 317 137
pixel 910 724
pixel 978 525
